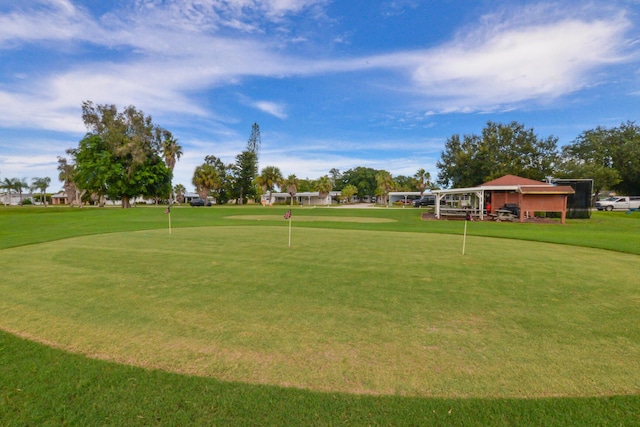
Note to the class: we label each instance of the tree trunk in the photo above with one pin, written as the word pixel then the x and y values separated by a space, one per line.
pixel 79 195
pixel 70 190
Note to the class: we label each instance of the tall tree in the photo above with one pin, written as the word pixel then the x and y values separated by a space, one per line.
pixel 255 140
pixel 323 187
pixel 96 167
pixel 611 157
pixel 245 169
pixel 499 150
pixel 205 179
pixel 125 160
pixel 291 184
pixel 226 174
pixel 171 150
pixel 335 176
pixel 363 178
pixel 306 184
pixel 66 174
pixel 423 179
pixel 404 183
pixel 245 172
pixel 269 179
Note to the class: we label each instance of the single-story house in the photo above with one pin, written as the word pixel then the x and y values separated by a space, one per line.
pixel 14 199
pixel 60 198
pixel 309 198
pixel 522 196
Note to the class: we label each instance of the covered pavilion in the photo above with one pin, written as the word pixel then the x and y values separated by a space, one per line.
pixel 522 196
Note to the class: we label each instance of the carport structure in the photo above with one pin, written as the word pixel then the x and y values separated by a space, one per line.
pixel 522 195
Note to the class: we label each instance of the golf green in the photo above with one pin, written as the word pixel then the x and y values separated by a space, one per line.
pixel 340 310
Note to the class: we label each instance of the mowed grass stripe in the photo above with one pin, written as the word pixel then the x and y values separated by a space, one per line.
pixel 313 218
pixel 341 310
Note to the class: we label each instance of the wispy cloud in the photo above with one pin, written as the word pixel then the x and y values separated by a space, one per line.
pixel 243 15
pixel 47 20
pixel 175 47
pixel 273 108
pixel 537 54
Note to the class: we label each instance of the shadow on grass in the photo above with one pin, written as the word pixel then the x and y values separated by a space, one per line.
pixel 40 385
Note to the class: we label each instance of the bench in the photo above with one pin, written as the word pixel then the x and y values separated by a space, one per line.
pixel 505 215
pixel 458 213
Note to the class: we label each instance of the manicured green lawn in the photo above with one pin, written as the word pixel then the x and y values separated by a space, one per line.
pixel 378 317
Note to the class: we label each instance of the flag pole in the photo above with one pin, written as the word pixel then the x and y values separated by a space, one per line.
pixel 289 230
pixel 287 216
pixel 464 239
pixel 168 212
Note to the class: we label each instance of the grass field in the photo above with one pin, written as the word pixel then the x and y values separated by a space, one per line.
pixel 371 317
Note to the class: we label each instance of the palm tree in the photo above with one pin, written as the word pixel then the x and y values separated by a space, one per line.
pixel 171 150
pixel 385 184
pixel 424 180
pixel 20 184
pixel 7 185
pixel 269 179
pixel 291 185
pixel 41 184
pixel 179 191
pixel 67 174
pixel 205 179
pixel 324 186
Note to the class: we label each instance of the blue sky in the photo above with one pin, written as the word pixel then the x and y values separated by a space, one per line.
pixel 332 84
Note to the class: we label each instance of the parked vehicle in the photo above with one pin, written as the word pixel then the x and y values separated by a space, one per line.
pixel 406 201
pixel 200 202
pixel 424 201
pixel 618 203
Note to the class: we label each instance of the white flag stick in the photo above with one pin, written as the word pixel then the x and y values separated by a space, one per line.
pixel 464 240
pixel 168 212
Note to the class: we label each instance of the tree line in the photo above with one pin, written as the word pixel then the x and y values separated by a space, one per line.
pixel 124 155
pixel 19 185
pixel 608 156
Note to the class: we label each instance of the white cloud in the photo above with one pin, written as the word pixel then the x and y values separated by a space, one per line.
pixel 57 20
pixel 30 110
pixel 511 62
pixel 273 108
pixel 531 55
pixel 42 164
pixel 242 15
